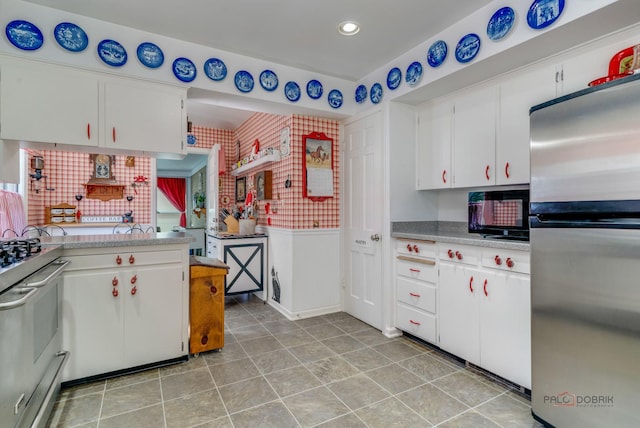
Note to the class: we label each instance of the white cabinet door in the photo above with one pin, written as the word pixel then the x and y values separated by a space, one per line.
pixel 474 137
pixel 458 311
pixel 517 95
pixel 138 117
pixel 433 148
pixel 153 320
pixel 92 323
pixel 47 104
pixel 505 326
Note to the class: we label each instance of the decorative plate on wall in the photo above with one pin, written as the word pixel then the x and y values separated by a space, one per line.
pixel 394 77
pixel 215 69
pixel 501 23
pixel 268 80
pixel 150 55
pixel 314 89
pixel 24 35
pixel 414 73
pixel 376 93
pixel 335 98
pixel 292 91
pixel 361 94
pixel 112 53
pixel 244 81
pixel 468 47
pixel 543 13
pixel 437 53
pixel 184 69
pixel 71 37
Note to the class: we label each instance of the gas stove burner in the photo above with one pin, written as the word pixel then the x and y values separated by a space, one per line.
pixel 15 250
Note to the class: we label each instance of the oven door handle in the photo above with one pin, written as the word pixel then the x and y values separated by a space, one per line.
pixel 61 265
pixel 18 302
pixel 51 391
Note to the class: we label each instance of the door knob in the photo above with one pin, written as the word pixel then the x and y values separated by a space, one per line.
pixel 375 237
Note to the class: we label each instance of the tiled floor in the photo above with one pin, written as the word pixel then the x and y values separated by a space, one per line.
pixel 328 371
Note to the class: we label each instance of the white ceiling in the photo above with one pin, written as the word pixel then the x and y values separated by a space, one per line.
pixel 297 33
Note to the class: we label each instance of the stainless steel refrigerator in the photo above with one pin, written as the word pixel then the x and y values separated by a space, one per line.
pixel 585 257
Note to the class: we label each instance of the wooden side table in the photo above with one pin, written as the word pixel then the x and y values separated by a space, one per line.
pixel 206 304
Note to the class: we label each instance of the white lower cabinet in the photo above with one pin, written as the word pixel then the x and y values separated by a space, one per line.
pixel 484 310
pixel 124 310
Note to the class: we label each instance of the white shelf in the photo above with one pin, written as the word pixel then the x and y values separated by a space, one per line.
pixel 275 157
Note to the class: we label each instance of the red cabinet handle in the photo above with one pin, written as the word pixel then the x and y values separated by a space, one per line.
pixel 459 255
pixel 88 131
pixel 506 169
pixel 486 172
pixel 485 288
pixel 118 260
pixel 450 254
pixel 114 292
pixel 132 259
pixel 114 281
pixel 471 284
pixel 498 260
pixel 134 290
pixel 414 270
pixel 510 262
pixel 134 279
pixel 113 134
pixel 213 290
pixel 416 249
pixel 414 294
pixel 414 322
pixel 409 247
pixel 444 175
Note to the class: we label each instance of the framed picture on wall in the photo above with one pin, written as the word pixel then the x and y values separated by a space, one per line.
pixel 317 167
pixel 241 189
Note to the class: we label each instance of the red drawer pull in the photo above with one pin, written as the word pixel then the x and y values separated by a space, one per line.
pixel 498 260
pixel 486 173
pixel 134 290
pixel 414 270
pixel 113 134
pixel 409 248
pixel 115 292
pixel 444 176
pixel 510 263
pixel 450 254
pixel 132 259
pixel 471 284
pixel 114 281
pixel 414 295
pixel 485 288
pixel 506 169
pixel 88 131
pixel 414 322
pixel 459 255
pixel 416 249
pixel 118 260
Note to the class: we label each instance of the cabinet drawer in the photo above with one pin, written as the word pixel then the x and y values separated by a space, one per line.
pixel 416 248
pixel 417 294
pixel 459 253
pixel 507 260
pixel 422 270
pixel 127 259
pixel 416 322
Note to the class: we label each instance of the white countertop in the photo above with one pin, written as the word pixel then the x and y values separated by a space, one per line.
pixel 117 240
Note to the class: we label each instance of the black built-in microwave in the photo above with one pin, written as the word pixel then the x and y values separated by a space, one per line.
pixel 500 213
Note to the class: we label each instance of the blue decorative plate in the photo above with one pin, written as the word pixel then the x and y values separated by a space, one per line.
pixel 468 47
pixel 543 13
pixel 71 37
pixel 335 98
pixel 361 94
pixel 24 35
pixel 112 53
pixel 314 89
pixel 394 77
pixel 244 81
pixel 150 55
pixel 184 69
pixel 437 53
pixel 414 73
pixel 292 91
pixel 215 69
pixel 376 93
pixel 268 80
pixel 191 139
pixel 501 23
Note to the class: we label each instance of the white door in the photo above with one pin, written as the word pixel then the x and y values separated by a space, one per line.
pixel 364 199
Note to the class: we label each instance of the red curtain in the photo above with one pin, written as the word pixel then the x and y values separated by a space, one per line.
pixel 175 190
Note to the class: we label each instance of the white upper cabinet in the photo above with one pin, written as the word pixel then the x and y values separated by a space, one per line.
pixel 44 103
pixel 474 137
pixel 48 104
pixel 142 117
pixel 433 149
pixel 517 95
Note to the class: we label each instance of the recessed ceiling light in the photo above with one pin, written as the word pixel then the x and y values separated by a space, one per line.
pixel 348 28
